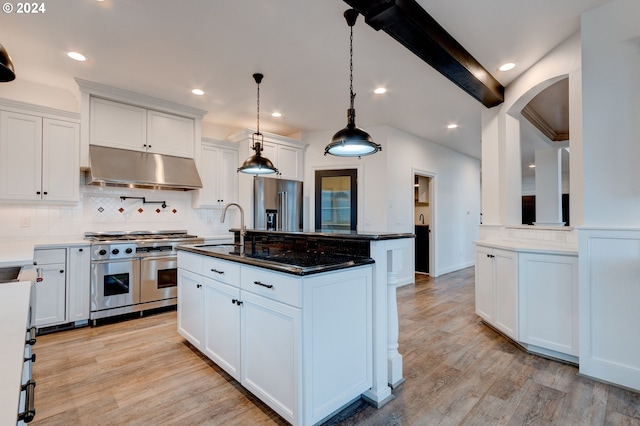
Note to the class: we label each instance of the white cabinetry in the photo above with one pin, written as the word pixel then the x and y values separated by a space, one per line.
pixel 251 325
pixel 190 303
pixel 497 288
pixel 79 283
pixel 285 153
pixel 39 158
pixel 119 125
pixel 530 295
pixel 63 295
pixel 218 171
pixel 548 302
pixel 50 286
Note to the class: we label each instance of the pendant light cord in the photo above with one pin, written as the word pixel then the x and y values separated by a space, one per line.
pixel 351 68
pixel 258 114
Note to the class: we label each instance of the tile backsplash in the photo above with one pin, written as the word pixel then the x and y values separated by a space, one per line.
pixel 102 209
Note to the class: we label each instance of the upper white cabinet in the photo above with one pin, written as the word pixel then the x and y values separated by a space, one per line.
pixel 124 126
pixel 127 120
pixel 39 158
pixel 218 167
pixel 286 154
pixel 117 125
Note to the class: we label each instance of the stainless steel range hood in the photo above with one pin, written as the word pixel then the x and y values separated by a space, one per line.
pixel 133 169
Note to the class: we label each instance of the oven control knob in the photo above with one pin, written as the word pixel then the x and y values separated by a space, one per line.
pixel 129 250
pixel 115 251
pixel 102 252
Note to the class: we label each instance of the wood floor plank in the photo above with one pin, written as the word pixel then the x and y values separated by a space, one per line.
pixel 458 371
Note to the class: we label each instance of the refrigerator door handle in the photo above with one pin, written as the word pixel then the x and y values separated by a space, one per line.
pixel 284 215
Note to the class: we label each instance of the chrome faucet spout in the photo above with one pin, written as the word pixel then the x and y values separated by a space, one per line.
pixel 243 230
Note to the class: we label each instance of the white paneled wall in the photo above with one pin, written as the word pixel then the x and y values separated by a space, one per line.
pixel 100 209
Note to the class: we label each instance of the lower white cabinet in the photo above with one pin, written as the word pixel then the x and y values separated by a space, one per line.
pixel 497 288
pixel 303 345
pixel 531 297
pixel 190 303
pixel 63 293
pixel 78 282
pixel 222 324
pixel 51 286
pixel 548 302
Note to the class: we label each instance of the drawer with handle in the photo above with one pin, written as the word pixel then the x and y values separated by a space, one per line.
pixel 284 288
pixel 221 270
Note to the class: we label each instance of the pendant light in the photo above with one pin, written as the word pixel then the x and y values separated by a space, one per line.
pixel 6 66
pixel 351 141
pixel 257 164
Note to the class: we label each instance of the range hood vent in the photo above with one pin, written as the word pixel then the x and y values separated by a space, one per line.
pixel 133 169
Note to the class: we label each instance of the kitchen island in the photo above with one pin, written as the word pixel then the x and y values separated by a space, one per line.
pixel 317 326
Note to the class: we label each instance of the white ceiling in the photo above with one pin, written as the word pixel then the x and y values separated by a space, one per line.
pixel 165 48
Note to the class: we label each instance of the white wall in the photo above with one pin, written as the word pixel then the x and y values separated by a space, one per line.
pixel 611 114
pixel 388 192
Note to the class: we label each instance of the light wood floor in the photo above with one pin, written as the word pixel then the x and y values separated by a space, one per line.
pixel 457 370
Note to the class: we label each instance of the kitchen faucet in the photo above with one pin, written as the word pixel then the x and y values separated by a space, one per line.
pixel 243 230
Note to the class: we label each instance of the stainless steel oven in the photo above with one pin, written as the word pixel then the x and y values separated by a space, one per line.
pixel 134 271
pixel 159 278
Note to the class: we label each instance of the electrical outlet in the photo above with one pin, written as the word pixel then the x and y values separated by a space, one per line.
pixel 25 222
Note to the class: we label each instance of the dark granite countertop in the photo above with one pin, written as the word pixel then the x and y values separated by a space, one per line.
pixel 291 261
pixel 337 234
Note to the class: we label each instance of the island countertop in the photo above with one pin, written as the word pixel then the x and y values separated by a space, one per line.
pixel 289 261
pixel 335 234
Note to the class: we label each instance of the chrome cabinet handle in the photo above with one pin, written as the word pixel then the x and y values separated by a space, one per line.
pixel 263 284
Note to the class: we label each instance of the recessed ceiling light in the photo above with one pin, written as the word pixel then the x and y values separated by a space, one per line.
pixel 276 114
pixel 76 56
pixel 452 126
pixel 532 166
pixel 198 92
pixel 508 66
pixel 380 90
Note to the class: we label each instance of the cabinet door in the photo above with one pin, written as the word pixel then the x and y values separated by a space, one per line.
pixel 270 353
pixel 20 156
pixel 290 163
pixel 60 160
pixel 78 294
pixel 169 134
pixel 209 174
pixel 484 283
pixel 228 167
pixel 506 292
pixel 117 125
pixel 222 326
pixel 190 307
pixel 51 295
pixel 549 302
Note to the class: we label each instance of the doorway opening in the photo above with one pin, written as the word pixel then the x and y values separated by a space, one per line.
pixel 336 199
pixel 423 221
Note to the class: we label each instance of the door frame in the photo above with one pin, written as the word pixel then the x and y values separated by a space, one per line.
pixel 433 214
pixel 360 187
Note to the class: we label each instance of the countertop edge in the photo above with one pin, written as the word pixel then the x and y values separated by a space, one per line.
pixel 277 266
pixel 360 236
pixel 528 247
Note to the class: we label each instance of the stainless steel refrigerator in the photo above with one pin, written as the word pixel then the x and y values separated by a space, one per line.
pixel 277 204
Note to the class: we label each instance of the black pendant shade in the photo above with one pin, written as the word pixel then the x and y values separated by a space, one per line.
pixel 257 164
pixel 6 66
pixel 351 141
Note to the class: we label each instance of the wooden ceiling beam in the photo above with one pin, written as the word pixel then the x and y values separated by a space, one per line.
pixel 408 23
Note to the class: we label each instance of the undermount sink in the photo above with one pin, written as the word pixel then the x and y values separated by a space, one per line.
pixel 9 274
